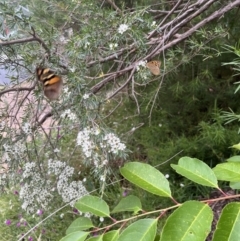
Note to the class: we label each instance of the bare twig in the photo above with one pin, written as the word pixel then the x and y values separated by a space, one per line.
pixel 27 40
pixel 112 3
pixel 124 85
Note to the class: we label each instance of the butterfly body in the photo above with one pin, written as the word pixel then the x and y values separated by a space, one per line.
pixel 52 83
pixel 154 66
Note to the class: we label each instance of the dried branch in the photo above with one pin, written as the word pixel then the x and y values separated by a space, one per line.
pixel 124 85
pixel 17 89
pixel 167 41
pixel 112 3
pixel 27 40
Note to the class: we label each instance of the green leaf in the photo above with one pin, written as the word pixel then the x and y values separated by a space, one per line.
pixel 234 159
pixel 146 177
pixel 76 236
pixel 196 171
pixel 237 146
pixel 130 203
pixel 228 225
pixel 235 185
pixel 94 205
pixel 98 238
pixel 141 230
pixel 229 171
pixel 81 223
pixel 190 222
pixel 111 235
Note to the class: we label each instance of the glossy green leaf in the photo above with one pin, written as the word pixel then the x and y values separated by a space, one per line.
pixel 190 222
pixel 146 177
pixel 130 203
pixel 234 159
pixel 228 226
pixel 76 236
pixel 111 235
pixel 229 171
pixel 94 205
pixel 98 238
pixel 141 230
pixel 235 185
pixel 81 223
pixel 196 171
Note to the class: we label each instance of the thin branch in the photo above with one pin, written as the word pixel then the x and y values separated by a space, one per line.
pixel 18 41
pixel 124 85
pixel 113 109
pixel 17 90
pixel 134 96
pixel 112 3
pixel 115 55
pixel 27 40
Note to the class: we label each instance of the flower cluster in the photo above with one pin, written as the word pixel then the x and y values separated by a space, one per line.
pixel 122 28
pixel 67 189
pixel 113 143
pixel 15 151
pixel 37 192
pixel 85 141
pixel 96 149
pixel 141 63
pixel 2 125
pixel 34 191
pixel 66 92
pixel 109 142
pixel 68 113
pixel 27 128
pixel 113 46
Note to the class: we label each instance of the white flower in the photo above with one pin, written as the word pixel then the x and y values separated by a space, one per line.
pixel 86 45
pixel 167 176
pixel 96 131
pixel 182 185
pixel 61 215
pixel 26 128
pixel 141 63
pixel 102 178
pixel 153 24
pixel 113 46
pixel 105 162
pixel 56 150
pixel 72 116
pixel 113 142
pixel 72 69
pixel 101 219
pixel 122 28
pixel 85 96
pixel 87 215
pixel 66 92
pixel 2 125
pixel 69 114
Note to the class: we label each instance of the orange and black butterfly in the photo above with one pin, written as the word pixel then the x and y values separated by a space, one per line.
pixel 52 83
pixel 154 66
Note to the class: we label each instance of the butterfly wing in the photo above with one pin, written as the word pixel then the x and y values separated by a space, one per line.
pixel 52 83
pixel 154 66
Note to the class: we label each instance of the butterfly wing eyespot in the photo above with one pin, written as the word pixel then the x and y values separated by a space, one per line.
pixel 52 83
pixel 154 66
